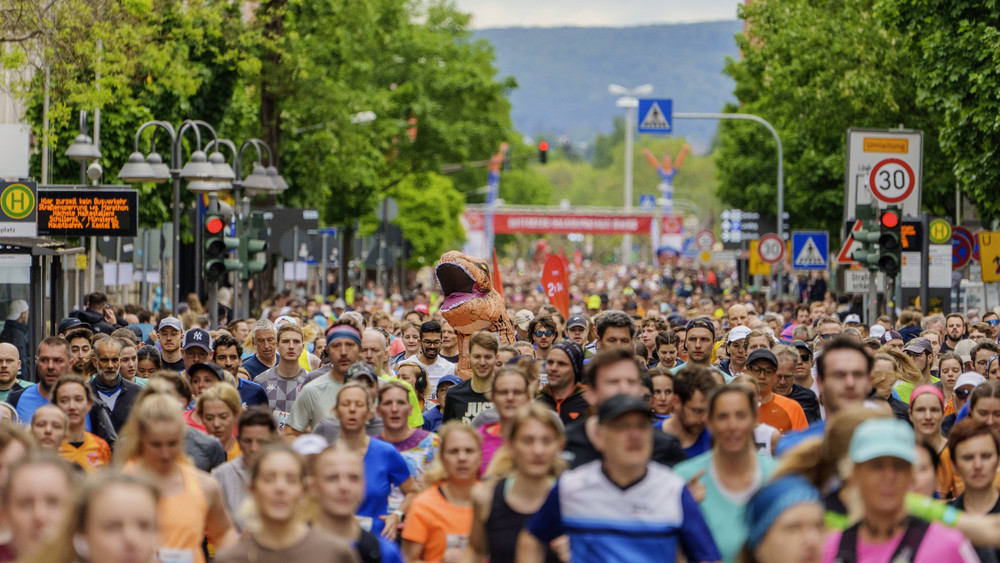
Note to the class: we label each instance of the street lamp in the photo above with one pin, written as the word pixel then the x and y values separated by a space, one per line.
pixel 197 168
pixel 628 99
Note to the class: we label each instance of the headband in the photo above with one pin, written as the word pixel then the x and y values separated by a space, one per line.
pixel 343 331
pixel 772 500
pixel 924 389
pixel 989 363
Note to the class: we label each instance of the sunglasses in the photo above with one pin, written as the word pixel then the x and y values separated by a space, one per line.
pixel 993 322
pixel 540 333
pixel 962 394
pixel 826 336
pixel 805 358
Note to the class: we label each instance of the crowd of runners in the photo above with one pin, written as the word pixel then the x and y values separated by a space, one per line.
pixel 665 416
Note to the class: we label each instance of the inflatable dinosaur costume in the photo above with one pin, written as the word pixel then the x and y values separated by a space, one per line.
pixel 471 303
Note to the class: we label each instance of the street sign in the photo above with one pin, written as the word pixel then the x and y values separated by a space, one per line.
pixel 704 240
pixel 961 251
pixel 989 246
pixel 756 266
pixel 939 232
pixel 856 281
pixel 850 245
pixel 810 250
pixel 967 236
pixel 656 116
pixel 18 209
pixel 111 212
pixel 884 166
pixel 771 248
pixel 647 202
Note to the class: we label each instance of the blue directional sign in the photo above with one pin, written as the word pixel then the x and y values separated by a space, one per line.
pixel 810 250
pixel 656 116
pixel 647 202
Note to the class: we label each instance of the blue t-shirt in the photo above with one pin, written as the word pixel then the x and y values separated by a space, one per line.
pixel 29 402
pixel 432 419
pixel 251 393
pixel 700 446
pixel 792 439
pixel 646 521
pixel 384 467
pixel 255 367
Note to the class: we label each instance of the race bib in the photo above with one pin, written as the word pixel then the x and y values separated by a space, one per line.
pixel 174 555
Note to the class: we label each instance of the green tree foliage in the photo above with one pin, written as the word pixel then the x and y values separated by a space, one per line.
pixel 815 69
pixel 957 44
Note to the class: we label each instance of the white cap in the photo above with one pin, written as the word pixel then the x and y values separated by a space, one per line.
pixel 309 444
pixel 852 318
pixel 972 378
pixel 738 333
pixel 876 331
pixel 17 307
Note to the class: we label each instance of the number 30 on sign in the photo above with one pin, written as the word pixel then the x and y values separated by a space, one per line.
pixel 891 180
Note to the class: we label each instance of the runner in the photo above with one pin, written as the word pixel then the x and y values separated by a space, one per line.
pixel 218 408
pixel 148 362
pixel 784 520
pixel 778 411
pixel 883 455
pixel 511 388
pixel 48 428
pixel 440 520
pixel 285 380
pixel 663 394
pixel 429 355
pixel 417 446
pixel 977 454
pixel 564 393
pixel 39 492
pixel 74 397
pixel 468 399
pixel 693 385
pixel 527 467
pixel 255 429
pixel 278 488
pixel 597 505
pixel 265 343
pixel 169 334
pixel 318 398
pixel 724 478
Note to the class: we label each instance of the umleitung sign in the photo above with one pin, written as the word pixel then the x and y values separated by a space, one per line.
pixel 88 213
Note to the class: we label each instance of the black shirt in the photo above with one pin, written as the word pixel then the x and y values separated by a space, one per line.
pixel 463 403
pixel 452 359
pixel 807 400
pixel 579 450
pixel 177 366
pixel 986 554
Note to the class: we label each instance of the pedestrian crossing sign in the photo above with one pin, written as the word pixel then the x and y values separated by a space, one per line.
pixel 810 250
pixel 656 116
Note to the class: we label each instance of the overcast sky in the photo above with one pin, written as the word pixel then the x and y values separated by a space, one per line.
pixel 613 13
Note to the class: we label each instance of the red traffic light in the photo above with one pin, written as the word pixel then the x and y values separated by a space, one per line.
pixel 889 219
pixel 543 146
pixel 214 225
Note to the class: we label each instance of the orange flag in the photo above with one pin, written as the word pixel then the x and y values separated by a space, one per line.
pixel 555 280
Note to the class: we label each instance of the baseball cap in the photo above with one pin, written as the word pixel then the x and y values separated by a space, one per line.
pixel 701 322
pixel 762 354
pixel 802 346
pixel 619 405
pixel 283 320
pixel 207 366
pixel 576 320
pixel 197 337
pixel 972 378
pixel 361 369
pixel 339 304
pixel 70 323
pixel 422 309
pixel 675 320
pixel 309 444
pixel 919 345
pixel 852 318
pixel 891 335
pixel 883 437
pixel 172 322
pixel 523 318
pixel 964 350
pixel 876 331
pixel 738 333
pixel 17 307
pixel 594 302
pixel 450 378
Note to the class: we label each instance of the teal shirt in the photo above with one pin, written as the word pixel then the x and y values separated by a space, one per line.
pixel 728 378
pixel 724 516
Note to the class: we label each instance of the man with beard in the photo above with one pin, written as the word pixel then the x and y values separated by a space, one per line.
pixel 693 384
pixel 109 386
pixel 227 353
pixel 317 398
pixel 52 362
pixel 81 352
pixel 468 399
pixel 169 332
pixel 564 393
pixel 954 332
pixel 543 333
pixel 431 340
pixel 10 363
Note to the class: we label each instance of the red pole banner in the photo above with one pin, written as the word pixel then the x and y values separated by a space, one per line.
pixel 555 280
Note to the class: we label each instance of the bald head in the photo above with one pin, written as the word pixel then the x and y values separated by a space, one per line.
pixel 10 363
pixel 738 316
pixel 373 348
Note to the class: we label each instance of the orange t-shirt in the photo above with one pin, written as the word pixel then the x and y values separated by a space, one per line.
pixel 92 454
pixel 783 413
pixel 437 524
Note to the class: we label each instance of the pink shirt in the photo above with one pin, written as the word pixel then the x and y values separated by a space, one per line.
pixel 940 544
pixel 491 443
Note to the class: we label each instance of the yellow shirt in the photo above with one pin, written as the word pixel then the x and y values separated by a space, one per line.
pixel 92 454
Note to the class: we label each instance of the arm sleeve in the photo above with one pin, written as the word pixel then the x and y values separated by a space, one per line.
pixel 547 524
pixel 696 539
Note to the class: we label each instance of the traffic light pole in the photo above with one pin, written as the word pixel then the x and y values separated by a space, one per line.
pixel 213 284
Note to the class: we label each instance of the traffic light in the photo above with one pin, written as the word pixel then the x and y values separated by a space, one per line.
pixel 543 152
pixel 215 265
pixel 890 247
pixel 253 242
pixel 868 237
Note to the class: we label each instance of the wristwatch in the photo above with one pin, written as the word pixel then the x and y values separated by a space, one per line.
pixel 399 514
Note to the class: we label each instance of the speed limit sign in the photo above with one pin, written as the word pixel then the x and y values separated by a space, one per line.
pixel 892 180
pixel 704 240
pixel 770 248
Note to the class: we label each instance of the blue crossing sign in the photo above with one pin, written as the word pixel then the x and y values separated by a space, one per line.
pixel 810 250
pixel 656 116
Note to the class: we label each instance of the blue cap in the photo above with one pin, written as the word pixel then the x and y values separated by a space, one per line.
pixel 450 378
pixel 774 499
pixel 883 437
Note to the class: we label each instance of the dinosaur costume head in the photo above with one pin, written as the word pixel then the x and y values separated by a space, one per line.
pixel 470 302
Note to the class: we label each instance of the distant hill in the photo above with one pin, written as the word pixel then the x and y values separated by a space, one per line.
pixel 563 73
